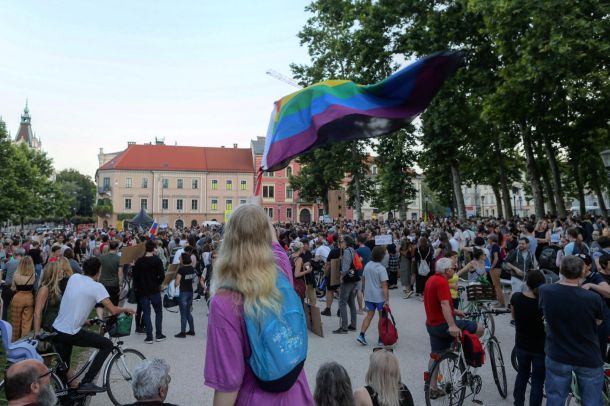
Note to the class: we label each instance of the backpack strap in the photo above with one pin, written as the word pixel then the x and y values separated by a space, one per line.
pixel 372 394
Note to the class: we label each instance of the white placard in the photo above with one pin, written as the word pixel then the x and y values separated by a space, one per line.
pixel 383 239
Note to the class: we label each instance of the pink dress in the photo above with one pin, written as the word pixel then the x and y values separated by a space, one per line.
pixel 227 350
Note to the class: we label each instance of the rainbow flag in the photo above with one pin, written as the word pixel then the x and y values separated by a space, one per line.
pixel 341 110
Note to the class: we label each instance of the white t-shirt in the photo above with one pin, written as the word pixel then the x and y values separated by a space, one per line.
pixel 322 251
pixel 81 295
pixel 454 245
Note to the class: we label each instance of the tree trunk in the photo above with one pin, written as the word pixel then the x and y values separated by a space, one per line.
pixel 496 191
pixel 598 193
pixel 402 211
pixel 532 172
pixel 548 190
pixel 457 190
pixel 357 201
pixel 556 176
pixel 503 178
pixel 506 203
pixel 580 187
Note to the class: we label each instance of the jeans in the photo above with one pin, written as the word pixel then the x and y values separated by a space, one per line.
pixel 65 342
pixel 559 378
pixel 530 365
pixel 348 297
pixel 185 302
pixel 145 303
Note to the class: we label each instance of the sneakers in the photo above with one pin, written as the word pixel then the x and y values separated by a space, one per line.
pixel 148 340
pixel 362 340
pixel 197 299
pixel 325 312
pixel 180 335
pixel 380 343
pixel 89 387
pixel 340 331
pixel 190 333
pixel 407 294
pixel 350 328
pixel 160 338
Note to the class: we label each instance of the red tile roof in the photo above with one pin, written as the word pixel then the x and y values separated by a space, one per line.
pixel 179 158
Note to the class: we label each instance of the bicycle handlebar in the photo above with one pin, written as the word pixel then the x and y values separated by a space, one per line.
pixel 494 312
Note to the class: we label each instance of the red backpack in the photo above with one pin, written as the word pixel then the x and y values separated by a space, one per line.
pixel 357 262
pixel 387 327
pixel 473 350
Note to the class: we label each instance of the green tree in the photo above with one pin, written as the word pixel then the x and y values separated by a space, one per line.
pixel 81 190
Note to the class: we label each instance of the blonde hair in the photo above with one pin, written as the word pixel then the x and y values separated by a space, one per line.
pixel 383 376
pixel 51 278
pixel 65 266
pixel 25 267
pixel 246 263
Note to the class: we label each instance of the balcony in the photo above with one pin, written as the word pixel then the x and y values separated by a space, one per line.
pixel 104 190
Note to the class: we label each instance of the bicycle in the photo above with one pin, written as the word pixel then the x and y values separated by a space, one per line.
pixel 574 396
pixel 476 305
pixel 116 372
pixel 454 375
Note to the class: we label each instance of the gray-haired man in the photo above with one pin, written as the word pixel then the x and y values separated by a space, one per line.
pixel 150 383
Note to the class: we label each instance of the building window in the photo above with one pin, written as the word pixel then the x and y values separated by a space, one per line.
pixel 268 192
pixel 128 182
pixel 242 201
pixel 144 183
pixel 164 204
pixel 214 205
pixel 195 184
pixel 269 211
pixel 229 185
pixel 268 174
pixel 228 204
pixel 374 170
pixel 194 203
pixel 214 184
pixel 288 192
pixel 165 183
pixel 243 185
pixel 106 184
pixel 289 213
pixel 127 204
pixel 179 183
pixel 179 204
pixel 144 204
pixel 289 172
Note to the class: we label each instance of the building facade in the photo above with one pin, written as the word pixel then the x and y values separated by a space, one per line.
pixel 178 186
pixel 280 202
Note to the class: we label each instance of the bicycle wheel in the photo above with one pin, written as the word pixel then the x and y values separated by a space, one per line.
pixel 513 359
pixel 491 323
pixel 450 375
pixel 497 365
pixel 118 375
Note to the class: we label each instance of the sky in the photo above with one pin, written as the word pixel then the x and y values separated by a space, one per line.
pixel 100 74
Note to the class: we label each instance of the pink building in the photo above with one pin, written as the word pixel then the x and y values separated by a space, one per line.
pixel 280 202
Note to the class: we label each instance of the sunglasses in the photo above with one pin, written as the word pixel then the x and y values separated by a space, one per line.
pixel 383 348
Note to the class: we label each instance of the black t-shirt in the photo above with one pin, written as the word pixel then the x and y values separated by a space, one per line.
pixel 36 255
pixel 148 275
pixel 495 249
pixel 307 256
pixel 529 325
pixel 571 315
pixel 370 244
pixel 188 274
pixel 335 252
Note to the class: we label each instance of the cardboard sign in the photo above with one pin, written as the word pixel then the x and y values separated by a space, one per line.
pixel 385 239
pixel 130 254
pixel 314 319
pixel 170 275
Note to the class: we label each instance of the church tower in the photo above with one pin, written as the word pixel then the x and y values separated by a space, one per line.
pixel 25 134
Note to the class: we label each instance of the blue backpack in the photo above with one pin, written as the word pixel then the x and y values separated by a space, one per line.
pixel 278 344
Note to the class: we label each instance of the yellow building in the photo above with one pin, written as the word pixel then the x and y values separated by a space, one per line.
pixel 177 185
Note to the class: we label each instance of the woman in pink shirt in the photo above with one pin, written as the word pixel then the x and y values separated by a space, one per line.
pixel 247 263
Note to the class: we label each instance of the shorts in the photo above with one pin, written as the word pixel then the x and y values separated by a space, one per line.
pixel 329 287
pixel 440 339
pixel 372 306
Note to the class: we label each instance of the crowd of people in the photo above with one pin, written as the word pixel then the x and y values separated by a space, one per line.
pixel 52 281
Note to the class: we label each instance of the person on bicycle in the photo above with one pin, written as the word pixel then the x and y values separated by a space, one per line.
pixel 81 295
pixel 441 324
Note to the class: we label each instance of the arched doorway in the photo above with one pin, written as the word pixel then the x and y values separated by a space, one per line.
pixel 179 223
pixel 305 216
pixel 193 223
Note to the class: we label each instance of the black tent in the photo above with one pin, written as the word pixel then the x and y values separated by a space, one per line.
pixel 141 220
